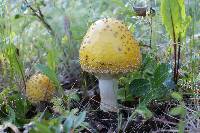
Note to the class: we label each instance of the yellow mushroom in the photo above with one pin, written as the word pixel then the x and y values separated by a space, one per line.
pixel 39 88
pixel 108 49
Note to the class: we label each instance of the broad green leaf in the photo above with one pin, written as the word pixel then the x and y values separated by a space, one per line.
pixel 174 18
pixel 139 87
pixel 124 94
pixel 160 75
pixel 12 116
pixel 148 64
pixel 155 94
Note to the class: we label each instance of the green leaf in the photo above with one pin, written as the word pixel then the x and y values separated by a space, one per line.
pixel 16 64
pixel 41 128
pixel 148 64
pixel 17 16
pixel 174 18
pixel 20 107
pixel 68 124
pixel 160 75
pixel 177 96
pixel 79 119
pixel 181 126
pixel 11 115
pixel 177 111
pixel 52 59
pixel 144 111
pixel 124 94
pixel 155 94
pixel 139 87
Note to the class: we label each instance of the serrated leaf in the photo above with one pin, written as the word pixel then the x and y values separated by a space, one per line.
pixel 155 94
pixel 124 94
pixel 160 75
pixel 139 87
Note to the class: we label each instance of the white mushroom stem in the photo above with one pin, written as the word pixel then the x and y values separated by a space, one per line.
pixel 108 90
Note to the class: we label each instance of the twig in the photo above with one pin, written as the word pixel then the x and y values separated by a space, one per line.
pixel 165 121
pixel 40 16
pixel 140 11
pixel 166 131
pixel 143 45
pixel 143 11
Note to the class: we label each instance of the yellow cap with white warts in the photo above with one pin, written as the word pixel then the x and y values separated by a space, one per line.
pixel 39 88
pixel 109 48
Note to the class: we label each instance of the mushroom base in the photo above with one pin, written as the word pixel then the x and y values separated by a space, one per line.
pixel 108 89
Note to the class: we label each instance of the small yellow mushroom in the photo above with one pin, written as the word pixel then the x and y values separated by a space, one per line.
pixel 39 88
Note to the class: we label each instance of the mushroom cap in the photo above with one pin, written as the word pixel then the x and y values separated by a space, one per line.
pixel 109 48
pixel 39 88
